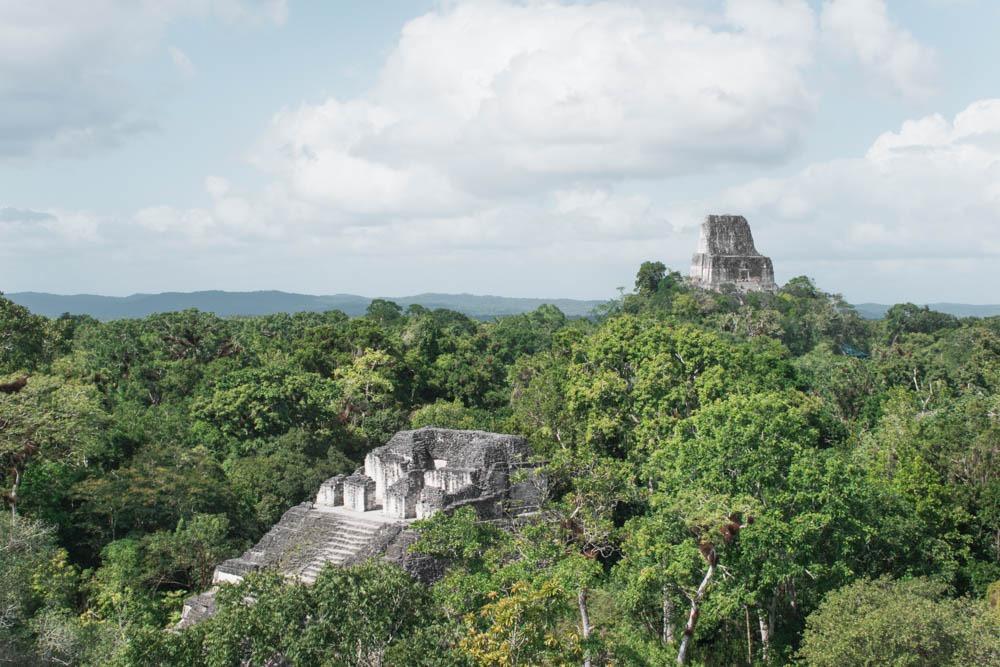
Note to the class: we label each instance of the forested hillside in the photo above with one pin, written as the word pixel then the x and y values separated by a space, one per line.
pixel 227 304
pixel 734 479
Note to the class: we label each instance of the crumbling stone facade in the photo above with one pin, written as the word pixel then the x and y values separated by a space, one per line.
pixel 726 255
pixel 367 514
pixel 421 472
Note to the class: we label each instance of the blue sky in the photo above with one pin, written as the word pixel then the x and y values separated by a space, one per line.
pixel 514 148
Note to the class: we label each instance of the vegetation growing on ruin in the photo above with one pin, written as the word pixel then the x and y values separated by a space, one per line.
pixel 735 479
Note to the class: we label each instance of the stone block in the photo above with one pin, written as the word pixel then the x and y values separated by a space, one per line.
pixel 359 493
pixel 430 502
pixel 331 492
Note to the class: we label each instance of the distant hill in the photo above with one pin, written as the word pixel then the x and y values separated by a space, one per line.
pixel 226 304
pixel 876 311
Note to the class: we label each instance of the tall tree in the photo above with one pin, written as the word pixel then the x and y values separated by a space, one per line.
pixel 47 419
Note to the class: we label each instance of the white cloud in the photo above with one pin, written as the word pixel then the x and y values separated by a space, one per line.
pixel 11 215
pixel 31 233
pixel 863 30
pixel 62 87
pixel 181 61
pixel 929 191
pixel 482 103
pixel 507 130
pixel 193 222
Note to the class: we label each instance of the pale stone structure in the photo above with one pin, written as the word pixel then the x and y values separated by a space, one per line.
pixel 359 493
pixel 331 492
pixel 420 472
pixel 726 255
pixel 367 514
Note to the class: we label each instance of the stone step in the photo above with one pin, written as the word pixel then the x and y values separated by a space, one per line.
pixel 309 573
pixel 357 530
pixel 351 535
pixel 328 554
pixel 340 543
pixel 317 565
pixel 345 537
pixel 357 519
pixel 346 541
pixel 331 555
pixel 351 539
pixel 334 553
pixel 361 529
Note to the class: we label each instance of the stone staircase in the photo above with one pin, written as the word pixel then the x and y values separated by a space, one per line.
pixel 341 542
pixel 307 538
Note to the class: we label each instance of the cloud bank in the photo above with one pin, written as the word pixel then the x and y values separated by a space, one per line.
pixel 862 31
pixel 489 107
pixel 63 87
pixel 923 202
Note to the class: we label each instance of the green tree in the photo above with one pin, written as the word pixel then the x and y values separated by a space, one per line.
pixel 248 405
pixel 367 395
pixel 35 579
pixel 635 378
pixel 349 616
pixel 519 629
pixel 886 622
pixel 904 318
pixel 187 556
pixel 24 343
pixel 47 419
pixel 386 313
pixel 160 486
pixel 647 281
pixel 537 399
pixel 284 471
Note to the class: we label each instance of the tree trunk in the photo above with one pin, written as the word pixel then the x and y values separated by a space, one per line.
pixel 765 634
pixel 682 654
pixel 746 613
pixel 668 614
pixel 13 493
pixel 581 599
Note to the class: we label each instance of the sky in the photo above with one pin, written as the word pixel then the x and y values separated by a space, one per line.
pixel 517 148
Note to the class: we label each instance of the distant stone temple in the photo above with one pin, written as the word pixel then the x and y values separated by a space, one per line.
pixel 726 255
pixel 367 514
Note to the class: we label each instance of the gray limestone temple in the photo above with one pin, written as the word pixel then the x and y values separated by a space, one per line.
pixel 367 514
pixel 726 255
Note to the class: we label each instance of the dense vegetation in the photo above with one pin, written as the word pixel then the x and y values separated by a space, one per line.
pixel 734 479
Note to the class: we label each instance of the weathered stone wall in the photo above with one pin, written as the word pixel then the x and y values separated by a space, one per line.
pixel 726 235
pixel 359 493
pixel 401 498
pixel 727 256
pixel 431 500
pixel 463 464
pixel 331 492
pixel 450 479
pixel 461 449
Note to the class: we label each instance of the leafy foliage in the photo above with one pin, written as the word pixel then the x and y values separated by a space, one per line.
pixel 885 622
pixel 730 478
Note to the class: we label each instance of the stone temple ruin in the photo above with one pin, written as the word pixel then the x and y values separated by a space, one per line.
pixel 726 255
pixel 367 514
